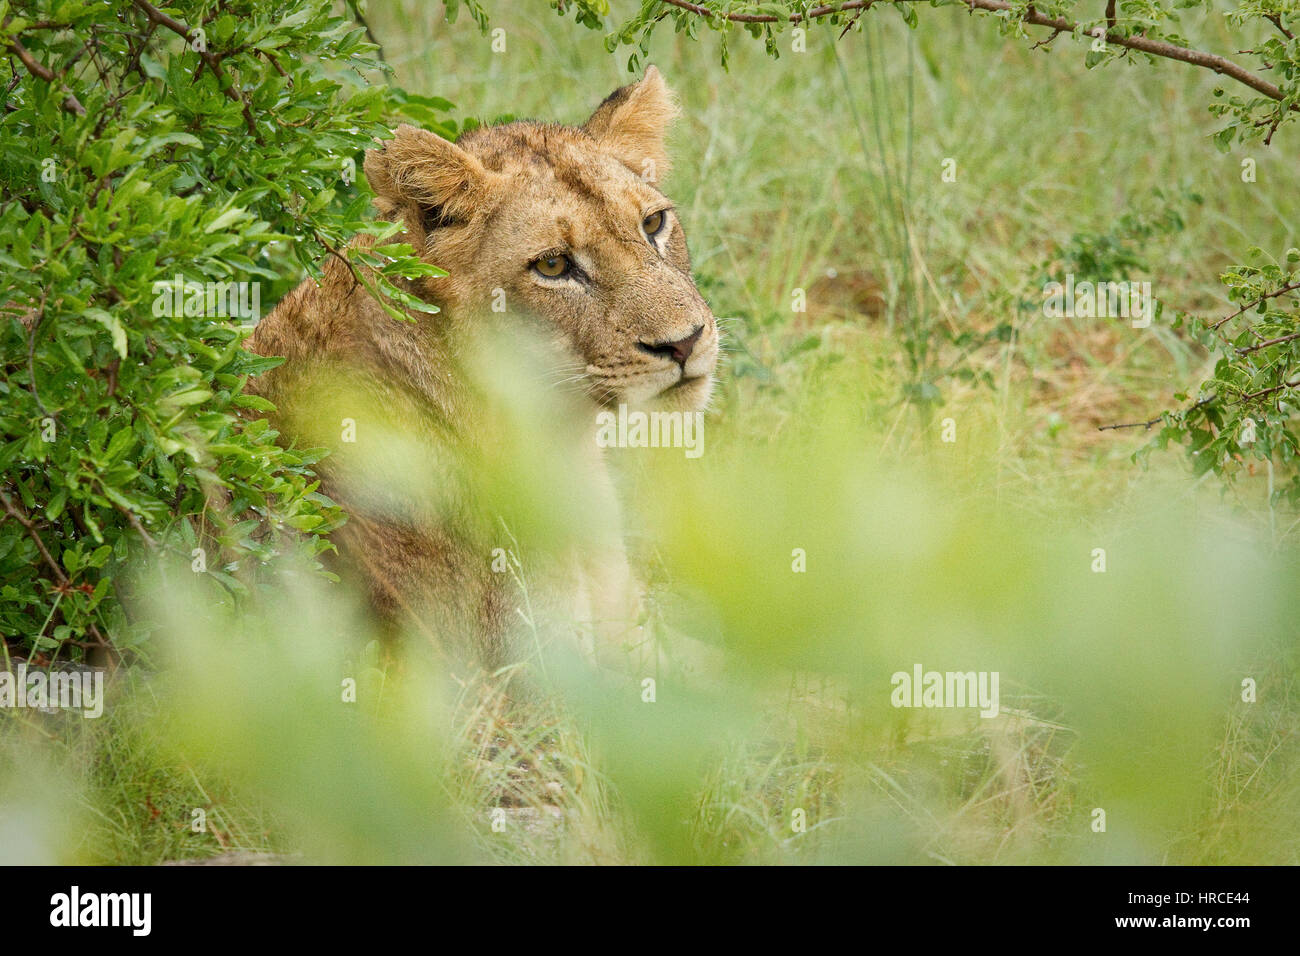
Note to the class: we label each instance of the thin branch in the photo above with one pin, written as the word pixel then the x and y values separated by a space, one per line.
pixel 34 68
pixel 1276 20
pixel 355 9
pixel 37 319
pixel 1249 397
pixel 1157 420
pixel 62 581
pixel 1250 305
pixel 1263 345
pixel 348 264
pixel 1147 424
pixel 135 523
pixel 276 63
pixel 30 527
pixel 853 21
pixel 1160 48
pixel 1266 391
pixel 1048 41
pixel 134 64
pixel 45 25
pixel 10 88
pixel 214 62
pixel 70 103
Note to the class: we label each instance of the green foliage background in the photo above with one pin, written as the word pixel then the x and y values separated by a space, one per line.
pixel 1249 406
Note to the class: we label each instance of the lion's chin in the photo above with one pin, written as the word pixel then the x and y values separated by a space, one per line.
pixel 687 395
pixel 684 395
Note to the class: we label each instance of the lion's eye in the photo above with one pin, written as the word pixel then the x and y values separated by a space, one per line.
pixel 653 223
pixel 553 267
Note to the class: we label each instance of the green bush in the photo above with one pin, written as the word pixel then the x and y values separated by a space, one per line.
pixel 217 142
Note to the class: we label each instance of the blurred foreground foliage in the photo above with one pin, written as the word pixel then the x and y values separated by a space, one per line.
pixel 1121 689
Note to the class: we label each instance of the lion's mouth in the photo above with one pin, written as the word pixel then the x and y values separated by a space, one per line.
pixel 685 387
pixel 684 381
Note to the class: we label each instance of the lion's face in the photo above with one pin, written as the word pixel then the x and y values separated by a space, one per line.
pixel 566 226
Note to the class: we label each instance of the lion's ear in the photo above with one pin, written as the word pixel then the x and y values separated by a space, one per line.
pixel 419 168
pixel 632 122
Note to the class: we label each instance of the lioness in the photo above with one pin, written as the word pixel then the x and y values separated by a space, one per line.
pixel 568 227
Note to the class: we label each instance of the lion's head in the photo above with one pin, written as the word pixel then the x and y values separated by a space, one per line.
pixel 566 225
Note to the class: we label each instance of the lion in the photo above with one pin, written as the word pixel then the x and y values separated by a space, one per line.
pixel 569 228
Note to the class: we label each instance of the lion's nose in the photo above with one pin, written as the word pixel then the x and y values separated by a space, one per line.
pixel 678 351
